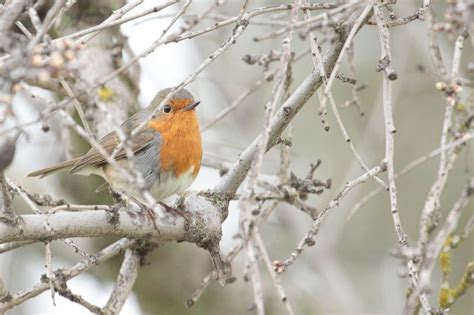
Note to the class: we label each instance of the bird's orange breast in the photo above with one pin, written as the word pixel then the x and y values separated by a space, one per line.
pixel 181 147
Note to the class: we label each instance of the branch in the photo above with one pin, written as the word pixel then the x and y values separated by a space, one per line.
pixel 67 274
pixel 434 247
pixel 126 278
pixel 390 146
pixel 237 173
pixel 308 239
pixel 203 225
pixel 11 12
pixel 409 167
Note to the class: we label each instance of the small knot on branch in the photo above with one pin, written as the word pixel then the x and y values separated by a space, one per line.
pixel 278 266
pixel 384 65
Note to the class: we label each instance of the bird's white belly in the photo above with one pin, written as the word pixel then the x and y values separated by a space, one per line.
pixel 167 184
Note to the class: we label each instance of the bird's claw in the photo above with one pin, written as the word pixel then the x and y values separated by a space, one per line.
pixel 175 211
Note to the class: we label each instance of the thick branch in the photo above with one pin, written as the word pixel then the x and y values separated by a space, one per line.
pixel 10 13
pixel 203 225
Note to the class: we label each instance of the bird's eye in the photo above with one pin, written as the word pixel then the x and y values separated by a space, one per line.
pixel 167 109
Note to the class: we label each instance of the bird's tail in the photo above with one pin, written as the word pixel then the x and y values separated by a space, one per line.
pixel 51 169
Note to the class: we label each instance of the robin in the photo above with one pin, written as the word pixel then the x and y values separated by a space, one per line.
pixel 167 152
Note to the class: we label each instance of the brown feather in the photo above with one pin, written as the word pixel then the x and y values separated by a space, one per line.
pixel 51 169
pixel 181 148
pixel 110 141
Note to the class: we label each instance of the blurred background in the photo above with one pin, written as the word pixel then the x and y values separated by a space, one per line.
pixel 350 269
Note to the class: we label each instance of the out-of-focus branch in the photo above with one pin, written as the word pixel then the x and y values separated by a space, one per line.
pixel 67 274
pixel 256 279
pixel 409 167
pixel 5 197
pixel 432 203
pixel 435 51
pixel 434 247
pixel 112 21
pixel 11 12
pixel 123 286
pixel 452 295
pixel 283 297
pixel 14 245
pixel 7 152
pixel 231 107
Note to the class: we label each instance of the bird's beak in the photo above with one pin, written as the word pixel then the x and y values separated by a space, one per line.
pixel 191 106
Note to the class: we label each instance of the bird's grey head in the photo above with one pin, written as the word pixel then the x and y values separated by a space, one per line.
pixel 181 100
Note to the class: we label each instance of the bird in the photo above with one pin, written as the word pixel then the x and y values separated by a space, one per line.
pixel 167 151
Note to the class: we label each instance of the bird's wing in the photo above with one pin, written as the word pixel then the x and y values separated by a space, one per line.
pixel 110 141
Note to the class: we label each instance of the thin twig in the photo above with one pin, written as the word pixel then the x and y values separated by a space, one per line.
pixel 107 253
pixel 111 22
pixel 390 148
pixel 255 278
pixel 275 277
pixel 314 229
pixel 408 168
pixel 434 247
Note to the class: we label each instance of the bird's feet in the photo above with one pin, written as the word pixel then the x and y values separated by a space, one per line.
pixel 151 214
pixel 147 211
pixel 116 196
pixel 175 211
